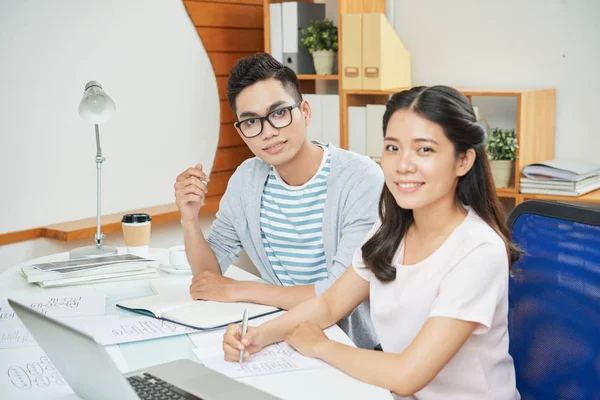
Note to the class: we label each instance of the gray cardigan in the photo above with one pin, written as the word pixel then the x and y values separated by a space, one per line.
pixel 353 189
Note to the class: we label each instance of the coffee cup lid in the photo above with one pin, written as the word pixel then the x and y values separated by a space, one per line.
pixel 136 218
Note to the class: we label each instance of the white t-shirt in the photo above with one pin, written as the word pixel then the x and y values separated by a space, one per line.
pixel 467 279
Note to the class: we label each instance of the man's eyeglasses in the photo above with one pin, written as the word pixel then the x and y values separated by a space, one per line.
pixel 278 119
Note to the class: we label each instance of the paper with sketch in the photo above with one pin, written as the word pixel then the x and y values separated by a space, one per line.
pixel 14 334
pixel 273 359
pixel 60 304
pixel 135 329
pixel 29 374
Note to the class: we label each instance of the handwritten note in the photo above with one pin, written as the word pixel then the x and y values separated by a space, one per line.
pixel 273 359
pixel 14 334
pixel 135 329
pixel 29 374
pixel 66 304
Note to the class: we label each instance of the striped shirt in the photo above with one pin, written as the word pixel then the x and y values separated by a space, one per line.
pixel 291 224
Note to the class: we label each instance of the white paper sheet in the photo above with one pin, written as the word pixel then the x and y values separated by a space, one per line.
pixel 14 334
pixel 57 304
pixel 117 356
pixel 135 329
pixel 29 374
pixel 208 344
pixel 273 359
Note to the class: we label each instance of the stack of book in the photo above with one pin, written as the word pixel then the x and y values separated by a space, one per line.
pixel 90 270
pixel 561 178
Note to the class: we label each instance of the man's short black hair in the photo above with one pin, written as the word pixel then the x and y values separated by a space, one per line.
pixel 259 67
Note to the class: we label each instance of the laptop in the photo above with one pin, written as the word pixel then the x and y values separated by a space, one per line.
pixel 92 374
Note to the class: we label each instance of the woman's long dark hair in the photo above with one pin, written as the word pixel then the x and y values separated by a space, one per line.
pixel 453 112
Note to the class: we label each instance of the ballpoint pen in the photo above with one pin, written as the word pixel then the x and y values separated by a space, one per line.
pixel 244 330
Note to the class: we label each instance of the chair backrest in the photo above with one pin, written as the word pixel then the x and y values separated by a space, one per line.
pixel 554 300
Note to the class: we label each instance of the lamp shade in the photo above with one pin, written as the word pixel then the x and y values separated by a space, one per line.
pixel 96 106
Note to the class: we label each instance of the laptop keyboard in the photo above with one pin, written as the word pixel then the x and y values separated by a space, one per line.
pixel 149 387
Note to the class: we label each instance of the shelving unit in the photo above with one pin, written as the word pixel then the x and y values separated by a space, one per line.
pixel 318 77
pixel 535 127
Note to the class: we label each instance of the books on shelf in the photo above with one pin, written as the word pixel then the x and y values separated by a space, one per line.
pixel 561 178
pixel 82 271
pixel 561 170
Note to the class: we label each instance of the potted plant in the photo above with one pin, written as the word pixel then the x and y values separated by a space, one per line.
pixel 321 40
pixel 501 148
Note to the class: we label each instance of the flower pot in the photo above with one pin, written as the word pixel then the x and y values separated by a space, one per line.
pixel 502 171
pixel 323 61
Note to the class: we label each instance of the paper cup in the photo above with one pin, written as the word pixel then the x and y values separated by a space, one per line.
pixel 136 233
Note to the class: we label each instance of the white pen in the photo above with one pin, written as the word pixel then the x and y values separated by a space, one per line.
pixel 244 330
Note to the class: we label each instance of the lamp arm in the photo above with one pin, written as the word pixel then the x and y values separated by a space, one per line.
pixel 99 160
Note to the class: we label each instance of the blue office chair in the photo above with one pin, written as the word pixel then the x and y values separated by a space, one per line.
pixel 554 301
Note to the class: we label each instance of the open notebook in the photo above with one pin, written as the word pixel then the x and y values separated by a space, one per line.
pixel 173 303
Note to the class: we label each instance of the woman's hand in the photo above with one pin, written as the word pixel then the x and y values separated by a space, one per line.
pixel 308 338
pixel 233 342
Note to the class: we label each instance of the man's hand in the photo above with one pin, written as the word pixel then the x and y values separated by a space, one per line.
pixel 211 286
pixel 190 191
pixel 307 338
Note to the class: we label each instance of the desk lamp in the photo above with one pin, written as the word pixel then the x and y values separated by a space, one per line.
pixel 96 107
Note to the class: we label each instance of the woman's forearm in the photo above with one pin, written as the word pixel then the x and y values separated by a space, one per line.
pixel 315 309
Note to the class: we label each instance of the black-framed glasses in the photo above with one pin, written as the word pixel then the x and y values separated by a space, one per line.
pixel 278 119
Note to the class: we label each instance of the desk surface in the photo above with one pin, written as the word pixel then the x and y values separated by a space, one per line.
pixel 312 384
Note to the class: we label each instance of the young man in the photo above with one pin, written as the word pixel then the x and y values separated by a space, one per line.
pixel 299 209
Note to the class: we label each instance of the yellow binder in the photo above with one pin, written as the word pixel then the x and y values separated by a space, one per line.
pixel 385 60
pixel 351 51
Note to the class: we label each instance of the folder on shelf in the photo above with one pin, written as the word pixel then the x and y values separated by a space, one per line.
pixel 294 17
pixel 375 130
pixel 385 60
pixel 331 119
pixel 352 51
pixel 276 33
pixel 314 129
pixel 357 129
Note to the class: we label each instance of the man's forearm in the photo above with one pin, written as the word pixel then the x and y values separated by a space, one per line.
pixel 284 297
pixel 199 254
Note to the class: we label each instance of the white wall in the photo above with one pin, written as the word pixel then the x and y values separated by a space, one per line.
pixel 513 44
pixel 149 58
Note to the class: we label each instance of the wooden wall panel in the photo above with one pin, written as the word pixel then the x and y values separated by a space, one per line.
pixel 223 62
pixel 222 87
pixel 230 39
pixel 230 158
pixel 255 2
pixel 225 15
pixel 227 116
pixel 229 30
pixel 218 183
pixel 229 136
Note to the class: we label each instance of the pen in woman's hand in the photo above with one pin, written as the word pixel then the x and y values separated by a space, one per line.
pixel 244 330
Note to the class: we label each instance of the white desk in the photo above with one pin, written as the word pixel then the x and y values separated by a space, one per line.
pixel 313 384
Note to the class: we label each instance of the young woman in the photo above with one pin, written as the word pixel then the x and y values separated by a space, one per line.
pixel 435 266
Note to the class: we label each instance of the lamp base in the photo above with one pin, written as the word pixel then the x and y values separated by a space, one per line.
pixel 92 251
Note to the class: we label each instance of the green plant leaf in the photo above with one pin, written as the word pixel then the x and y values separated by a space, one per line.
pixel 502 144
pixel 320 35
